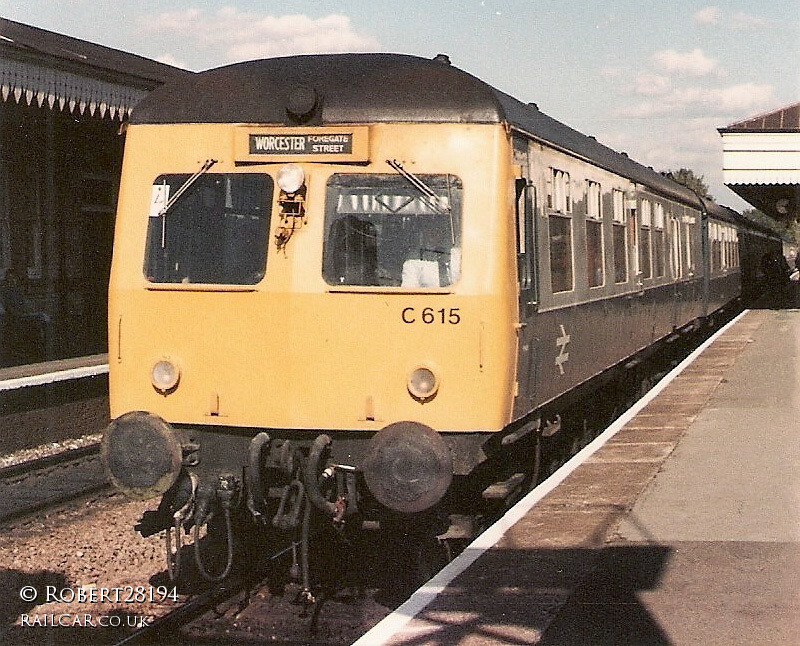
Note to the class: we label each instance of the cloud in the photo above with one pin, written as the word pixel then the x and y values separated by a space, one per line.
pixel 671 108
pixel 169 59
pixel 229 35
pixel 708 16
pixel 745 96
pixel 741 20
pixel 669 145
pixel 693 63
pixel 694 101
pixel 747 22
pixel 651 84
pixel 613 72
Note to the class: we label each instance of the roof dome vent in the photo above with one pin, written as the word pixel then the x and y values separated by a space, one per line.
pixel 301 102
pixel 442 58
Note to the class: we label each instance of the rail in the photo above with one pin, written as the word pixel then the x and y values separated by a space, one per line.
pixel 57 480
pixel 49 372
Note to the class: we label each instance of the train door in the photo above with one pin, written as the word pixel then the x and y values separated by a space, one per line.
pixel 677 272
pixel 524 210
pixel 634 233
pixel 639 321
pixel 705 254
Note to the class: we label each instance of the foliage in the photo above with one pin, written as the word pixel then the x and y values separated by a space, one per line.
pixel 687 177
pixel 787 230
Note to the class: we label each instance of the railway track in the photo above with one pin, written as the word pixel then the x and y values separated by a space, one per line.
pixel 50 482
pixel 249 607
pixel 168 627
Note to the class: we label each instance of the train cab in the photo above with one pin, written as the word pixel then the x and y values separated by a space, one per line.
pixel 300 254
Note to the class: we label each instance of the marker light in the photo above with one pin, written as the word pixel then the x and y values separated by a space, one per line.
pixel 423 384
pixel 165 376
pixel 291 178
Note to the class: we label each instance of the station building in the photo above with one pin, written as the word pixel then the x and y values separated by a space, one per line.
pixel 64 103
pixel 761 161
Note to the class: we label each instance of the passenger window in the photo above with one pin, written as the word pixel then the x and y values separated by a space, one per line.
pixel 560 230
pixel 675 246
pixel 658 241
pixel 559 197
pixel 731 244
pixel 620 238
pixel 384 230
pixel 595 266
pixel 726 261
pixel 688 247
pixel 716 246
pixel 728 254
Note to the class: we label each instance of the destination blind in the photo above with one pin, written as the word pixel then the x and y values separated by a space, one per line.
pixel 301 144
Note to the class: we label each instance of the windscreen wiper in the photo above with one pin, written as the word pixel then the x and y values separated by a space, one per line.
pixel 186 185
pixel 422 187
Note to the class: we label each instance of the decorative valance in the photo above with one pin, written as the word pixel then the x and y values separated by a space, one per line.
pixel 37 85
pixel 758 157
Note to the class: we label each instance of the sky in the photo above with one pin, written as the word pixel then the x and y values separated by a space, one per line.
pixel 653 79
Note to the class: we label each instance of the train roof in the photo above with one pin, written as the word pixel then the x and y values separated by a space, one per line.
pixel 726 213
pixel 370 88
pixel 722 212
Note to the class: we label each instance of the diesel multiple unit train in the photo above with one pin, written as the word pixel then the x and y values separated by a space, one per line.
pixel 349 288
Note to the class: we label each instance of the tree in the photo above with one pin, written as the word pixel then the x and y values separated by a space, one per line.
pixel 687 177
pixel 787 230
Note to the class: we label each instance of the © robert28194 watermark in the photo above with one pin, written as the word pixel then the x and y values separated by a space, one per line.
pixel 121 594
pixel 83 620
pixel 88 595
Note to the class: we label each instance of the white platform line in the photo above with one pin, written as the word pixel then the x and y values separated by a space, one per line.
pixel 53 377
pixel 390 625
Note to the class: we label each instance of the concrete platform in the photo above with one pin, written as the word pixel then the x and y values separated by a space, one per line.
pixel 684 528
pixel 52 401
pixel 48 372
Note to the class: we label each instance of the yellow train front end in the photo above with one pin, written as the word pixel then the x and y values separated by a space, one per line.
pixel 295 299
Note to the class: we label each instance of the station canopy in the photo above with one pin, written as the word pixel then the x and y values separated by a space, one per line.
pixel 46 69
pixel 761 161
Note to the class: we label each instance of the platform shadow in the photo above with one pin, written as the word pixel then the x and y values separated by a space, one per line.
pixel 14 585
pixel 786 297
pixel 23 623
pixel 605 609
pixel 564 597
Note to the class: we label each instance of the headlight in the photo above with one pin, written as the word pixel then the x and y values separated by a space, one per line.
pixel 423 384
pixel 165 376
pixel 291 178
